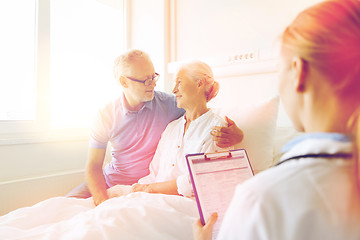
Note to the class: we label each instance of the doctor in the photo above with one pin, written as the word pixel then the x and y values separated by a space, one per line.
pixel 313 193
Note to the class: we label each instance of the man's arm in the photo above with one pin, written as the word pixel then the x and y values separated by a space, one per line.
pixel 94 175
pixel 227 136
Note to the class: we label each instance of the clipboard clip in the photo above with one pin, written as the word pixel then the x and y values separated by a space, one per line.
pixel 218 155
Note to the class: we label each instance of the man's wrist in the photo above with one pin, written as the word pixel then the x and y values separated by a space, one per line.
pixel 100 197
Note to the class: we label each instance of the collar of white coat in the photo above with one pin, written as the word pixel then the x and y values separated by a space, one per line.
pixel 317 143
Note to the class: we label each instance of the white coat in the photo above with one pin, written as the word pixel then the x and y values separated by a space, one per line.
pixel 309 196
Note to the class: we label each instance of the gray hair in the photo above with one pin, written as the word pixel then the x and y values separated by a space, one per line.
pixel 198 71
pixel 123 63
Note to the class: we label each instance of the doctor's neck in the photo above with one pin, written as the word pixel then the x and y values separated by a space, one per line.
pixel 327 114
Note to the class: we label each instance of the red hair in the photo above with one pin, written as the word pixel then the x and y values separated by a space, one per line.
pixel 327 36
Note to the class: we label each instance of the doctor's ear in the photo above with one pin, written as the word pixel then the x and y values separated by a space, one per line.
pixel 300 70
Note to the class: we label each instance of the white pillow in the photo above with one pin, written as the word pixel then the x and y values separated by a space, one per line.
pixel 258 122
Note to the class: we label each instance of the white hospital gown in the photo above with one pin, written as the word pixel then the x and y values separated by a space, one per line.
pixel 169 161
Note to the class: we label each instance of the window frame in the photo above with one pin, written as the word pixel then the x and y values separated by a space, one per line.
pixel 39 130
pixel 42 76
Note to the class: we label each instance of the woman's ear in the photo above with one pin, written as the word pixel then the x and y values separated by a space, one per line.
pixel 299 69
pixel 200 82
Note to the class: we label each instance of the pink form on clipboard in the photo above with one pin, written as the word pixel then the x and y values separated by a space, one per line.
pixel 214 178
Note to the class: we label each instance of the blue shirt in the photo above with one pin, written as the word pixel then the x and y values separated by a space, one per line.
pixel 134 136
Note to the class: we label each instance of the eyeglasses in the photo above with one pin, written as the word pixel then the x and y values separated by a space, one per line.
pixel 148 81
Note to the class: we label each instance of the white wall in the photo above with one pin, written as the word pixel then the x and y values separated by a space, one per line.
pixel 181 30
pixel 36 169
pixel 217 28
pixel 148 32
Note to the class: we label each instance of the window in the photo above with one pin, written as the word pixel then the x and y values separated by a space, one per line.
pixel 85 40
pixel 17 60
pixel 58 58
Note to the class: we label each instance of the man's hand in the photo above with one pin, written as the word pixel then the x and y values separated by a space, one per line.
pixel 99 198
pixel 204 232
pixel 227 136
pixel 118 191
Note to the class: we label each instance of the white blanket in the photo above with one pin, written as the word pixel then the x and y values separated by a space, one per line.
pixel 134 216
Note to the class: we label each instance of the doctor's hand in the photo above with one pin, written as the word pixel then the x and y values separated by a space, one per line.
pixel 227 136
pixel 204 232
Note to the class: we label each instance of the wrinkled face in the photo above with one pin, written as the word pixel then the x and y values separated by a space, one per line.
pixel 186 91
pixel 142 69
pixel 287 91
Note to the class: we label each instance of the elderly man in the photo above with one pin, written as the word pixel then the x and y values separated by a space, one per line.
pixel 133 125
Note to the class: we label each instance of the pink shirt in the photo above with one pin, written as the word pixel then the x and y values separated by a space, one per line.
pixel 134 136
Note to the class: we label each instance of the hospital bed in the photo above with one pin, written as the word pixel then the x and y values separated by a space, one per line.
pixel 248 95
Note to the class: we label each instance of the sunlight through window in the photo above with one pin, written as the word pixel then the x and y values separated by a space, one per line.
pixel 86 36
pixel 17 60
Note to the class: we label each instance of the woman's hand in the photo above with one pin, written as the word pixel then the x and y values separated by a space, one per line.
pixel 204 232
pixel 168 187
pixel 227 136
pixel 137 187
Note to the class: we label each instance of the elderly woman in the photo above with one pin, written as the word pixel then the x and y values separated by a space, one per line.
pixel 313 193
pixel 194 88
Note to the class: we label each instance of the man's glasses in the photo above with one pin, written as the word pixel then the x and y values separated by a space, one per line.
pixel 148 81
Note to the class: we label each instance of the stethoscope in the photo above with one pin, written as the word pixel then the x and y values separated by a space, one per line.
pixel 320 155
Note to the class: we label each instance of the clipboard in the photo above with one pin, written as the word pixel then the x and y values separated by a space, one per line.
pixel 214 178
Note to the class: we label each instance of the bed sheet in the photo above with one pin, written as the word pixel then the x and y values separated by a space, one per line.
pixel 134 216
